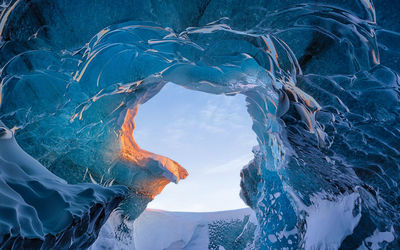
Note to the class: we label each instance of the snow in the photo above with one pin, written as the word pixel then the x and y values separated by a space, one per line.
pixel 329 222
pixel 375 240
pixel 159 229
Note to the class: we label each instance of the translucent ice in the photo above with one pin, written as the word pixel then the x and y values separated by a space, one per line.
pixel 41 211
pixel 320 79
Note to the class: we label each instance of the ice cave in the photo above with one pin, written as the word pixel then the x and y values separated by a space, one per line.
pixel 310 91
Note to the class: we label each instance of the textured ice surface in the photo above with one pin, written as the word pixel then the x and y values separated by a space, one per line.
pixel 320 80
pixel 158 229
pixel 41 211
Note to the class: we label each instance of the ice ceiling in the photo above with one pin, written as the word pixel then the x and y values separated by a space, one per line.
pixel 323 101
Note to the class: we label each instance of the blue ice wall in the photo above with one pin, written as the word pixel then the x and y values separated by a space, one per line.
pixel 320 79
pixel 41 211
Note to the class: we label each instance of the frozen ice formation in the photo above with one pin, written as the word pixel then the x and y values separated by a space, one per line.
pixel 41 211
pixel 320 80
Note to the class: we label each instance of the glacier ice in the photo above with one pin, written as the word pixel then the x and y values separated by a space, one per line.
pixel 41 211
pixel 320 80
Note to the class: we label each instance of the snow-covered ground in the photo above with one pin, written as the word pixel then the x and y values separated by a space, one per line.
pixel 158 229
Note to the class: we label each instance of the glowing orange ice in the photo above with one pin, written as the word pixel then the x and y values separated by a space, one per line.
pixel 134 155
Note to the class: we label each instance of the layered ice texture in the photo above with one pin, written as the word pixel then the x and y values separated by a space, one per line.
pixel 320 80
pixel 41 211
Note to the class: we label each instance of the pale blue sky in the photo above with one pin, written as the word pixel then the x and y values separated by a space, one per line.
pixel 209 135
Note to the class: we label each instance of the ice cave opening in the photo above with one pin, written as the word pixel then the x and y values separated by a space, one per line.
pixel 209 135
